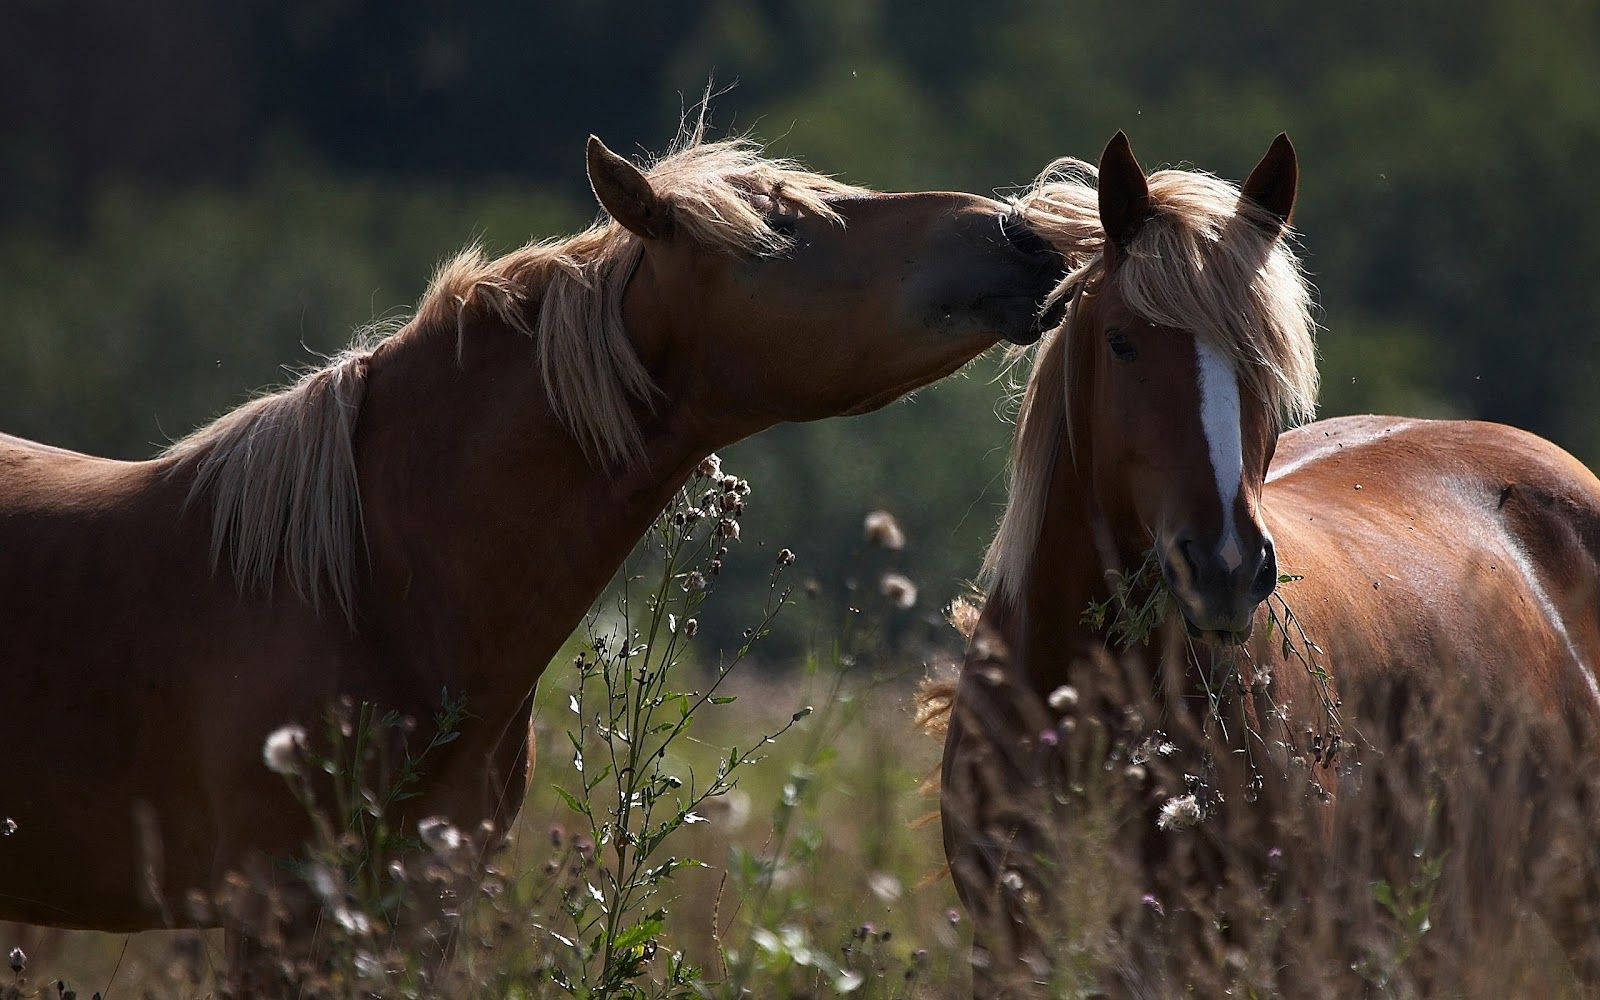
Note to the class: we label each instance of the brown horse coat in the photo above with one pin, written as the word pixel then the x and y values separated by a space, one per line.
pixel 437 512
pixel 1431 556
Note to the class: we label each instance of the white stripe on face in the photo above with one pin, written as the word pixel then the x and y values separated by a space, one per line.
pixel 1220 421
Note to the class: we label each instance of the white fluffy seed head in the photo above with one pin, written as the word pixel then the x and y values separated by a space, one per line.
pixel 1064 698
pixel 283 749
pixel 1179 813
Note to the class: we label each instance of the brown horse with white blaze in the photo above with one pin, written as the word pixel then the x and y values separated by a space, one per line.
pixel 436 510
pixel 1421 551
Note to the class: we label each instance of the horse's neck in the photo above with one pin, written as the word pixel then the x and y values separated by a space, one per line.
pixel 490 534
pixel 1064 575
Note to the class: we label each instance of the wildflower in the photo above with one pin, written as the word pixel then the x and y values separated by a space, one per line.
pixel 19 961
pixel 883 530
pixel 8 827
pixel 694 581
pixel 1012 880
pixel 1155 904
pixel 437 833
pixel 1049 738
pixel 1179 813
pixel 690 627
pixel 885 886
pixel 1064 698
pixel 786 557
pixel 953 916
pixel 900 591
pixel 710 467
pixel 282 749
pixel 728 528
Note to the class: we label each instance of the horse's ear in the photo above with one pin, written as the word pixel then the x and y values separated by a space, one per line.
pixel 1275 181
pixel 625 192
pixel 1124 193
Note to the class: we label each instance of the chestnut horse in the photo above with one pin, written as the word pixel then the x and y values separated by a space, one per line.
pixel 1421 550
pixel 435 511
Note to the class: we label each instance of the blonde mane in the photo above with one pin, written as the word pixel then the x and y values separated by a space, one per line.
pixel 1202 261
pixel 280 470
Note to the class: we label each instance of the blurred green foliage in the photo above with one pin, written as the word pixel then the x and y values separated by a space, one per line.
pixel 195 195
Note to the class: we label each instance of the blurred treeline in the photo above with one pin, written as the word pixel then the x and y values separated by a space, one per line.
pixel 193 194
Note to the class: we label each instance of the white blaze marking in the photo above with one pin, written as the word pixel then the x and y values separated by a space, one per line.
pixel 1219 419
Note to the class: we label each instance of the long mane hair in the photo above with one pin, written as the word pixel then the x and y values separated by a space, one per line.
pixel 280 472
pixel 1203 261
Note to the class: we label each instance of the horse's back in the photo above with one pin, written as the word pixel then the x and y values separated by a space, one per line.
pixel 1452 543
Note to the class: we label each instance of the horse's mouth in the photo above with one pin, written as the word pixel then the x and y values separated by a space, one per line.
pixel 1219 637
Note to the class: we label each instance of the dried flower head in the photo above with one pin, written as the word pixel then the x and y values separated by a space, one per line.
pixel 900 591
pixel 439 835
pixel 19 960
pixel 1064 698
pixel 694 581
pixel 885 886
pixel 710 467
pixel 1179 813
pixel 786 557
pixel 963 616
pixel 883 530
pixel 283 748
pixel 690 627
pixel 8 826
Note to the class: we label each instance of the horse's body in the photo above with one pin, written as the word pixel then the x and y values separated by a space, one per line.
pixel 436 513
pixel 1424 557
pixel 1468 547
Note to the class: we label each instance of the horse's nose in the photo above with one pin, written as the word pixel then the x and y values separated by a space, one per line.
pixel 1216 593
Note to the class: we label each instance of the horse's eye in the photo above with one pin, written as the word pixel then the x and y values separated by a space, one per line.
pixel 1121 349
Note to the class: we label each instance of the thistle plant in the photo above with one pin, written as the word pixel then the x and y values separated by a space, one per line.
pixel 630 788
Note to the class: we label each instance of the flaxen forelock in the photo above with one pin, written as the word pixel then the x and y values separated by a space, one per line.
pixel 1205 260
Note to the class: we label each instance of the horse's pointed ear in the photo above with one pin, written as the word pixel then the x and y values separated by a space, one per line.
pixel 1275 181
pixel 625 192
pixel 1124 193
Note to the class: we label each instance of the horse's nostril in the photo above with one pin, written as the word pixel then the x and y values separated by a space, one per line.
pixel 1190 554
pixel 1266 575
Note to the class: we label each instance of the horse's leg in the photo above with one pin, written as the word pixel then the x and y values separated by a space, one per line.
pixel 994 860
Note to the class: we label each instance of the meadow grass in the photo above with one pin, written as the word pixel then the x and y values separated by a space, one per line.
pixel 711 823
